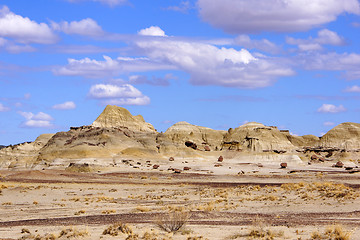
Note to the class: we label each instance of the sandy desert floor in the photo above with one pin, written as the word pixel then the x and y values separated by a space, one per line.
pixel 62 204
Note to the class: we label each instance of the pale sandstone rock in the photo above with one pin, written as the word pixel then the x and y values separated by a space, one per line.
pixel 257 137
pixel 344 136
pixel 114 116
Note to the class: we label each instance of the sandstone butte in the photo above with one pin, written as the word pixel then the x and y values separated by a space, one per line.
pixel 116 136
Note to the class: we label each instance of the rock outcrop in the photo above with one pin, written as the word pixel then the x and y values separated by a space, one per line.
pixel 345 136
pixel 114 116
pixel 23 154
pixel 116 136
pixel 257 137
pixel 181 132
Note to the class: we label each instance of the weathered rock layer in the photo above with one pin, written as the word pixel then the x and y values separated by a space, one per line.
pixel 116 135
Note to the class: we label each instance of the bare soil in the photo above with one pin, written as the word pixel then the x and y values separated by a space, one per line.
pixel 219 206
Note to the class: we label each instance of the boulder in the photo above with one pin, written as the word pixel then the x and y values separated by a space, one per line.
pixel 339 164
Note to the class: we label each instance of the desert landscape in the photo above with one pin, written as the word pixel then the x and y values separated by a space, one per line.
pixel 121 179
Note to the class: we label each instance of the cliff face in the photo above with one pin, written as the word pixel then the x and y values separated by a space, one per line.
pixel 114 116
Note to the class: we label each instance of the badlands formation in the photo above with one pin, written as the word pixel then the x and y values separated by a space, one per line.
pixel 119 178
pixel 117 138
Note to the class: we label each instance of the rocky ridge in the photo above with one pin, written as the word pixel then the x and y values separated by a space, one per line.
pixel 117 136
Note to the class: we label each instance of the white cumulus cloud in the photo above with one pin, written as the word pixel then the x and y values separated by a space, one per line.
pixel 152 31
pixel 65 106
pixel 124 94
pixel 244 16
pixel 330 108
pixel 85 27
pixel 207 64
pixel 24 30
pixel 39 120
pixel 210 65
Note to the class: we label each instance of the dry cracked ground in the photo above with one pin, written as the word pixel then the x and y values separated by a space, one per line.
pixel 59 204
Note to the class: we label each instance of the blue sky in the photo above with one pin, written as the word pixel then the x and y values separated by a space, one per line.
pixel 219 64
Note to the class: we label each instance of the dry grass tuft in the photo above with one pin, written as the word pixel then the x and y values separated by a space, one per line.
pixel 117 228
pixel 173 221
pixel 66 233
pixel 73 232
pixel 334 232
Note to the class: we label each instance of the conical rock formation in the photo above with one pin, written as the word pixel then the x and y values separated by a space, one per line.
pixel 114 116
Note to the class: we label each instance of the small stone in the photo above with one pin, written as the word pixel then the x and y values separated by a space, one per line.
pixel 187 168
pixel 339 164
pixel 217 165
pixel 171 159
pixel 220 159
pixel 283 165
pixel 177 170
pixel 207 148
pixel 156 166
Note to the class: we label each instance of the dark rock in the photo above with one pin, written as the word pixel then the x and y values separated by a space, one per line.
pixel 220 159
pixel 314 157
pixel 171 159
pixel 207 148
pixel 260 165
pixel 177 170
pixel 279 151
pixel 339 164
pixel 349 168
pixel 191 145
pixel 187 168
pixel 156 166
pixel 283 165
pixel 217 165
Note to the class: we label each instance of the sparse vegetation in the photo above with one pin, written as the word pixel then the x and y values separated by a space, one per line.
pixel 173 221
pixel 335 232
pixel 79 212
pixel 117 228
pixel 66 233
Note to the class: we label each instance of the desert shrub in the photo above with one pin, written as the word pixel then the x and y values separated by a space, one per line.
pixel 117 228
pixel 173 221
